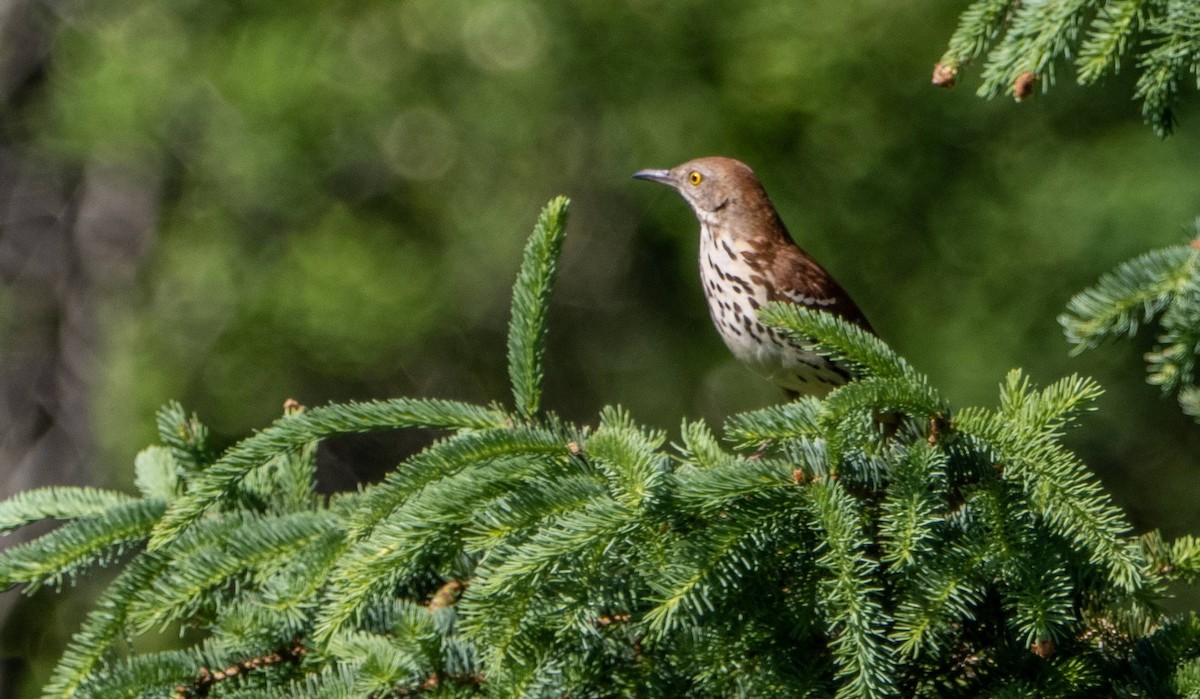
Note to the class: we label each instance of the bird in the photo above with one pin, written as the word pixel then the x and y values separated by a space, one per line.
pixel 747 259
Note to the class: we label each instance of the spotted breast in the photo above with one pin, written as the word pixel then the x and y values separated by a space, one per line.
pixel 734 287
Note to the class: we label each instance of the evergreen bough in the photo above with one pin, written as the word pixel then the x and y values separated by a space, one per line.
pixel 1021 44
pixel 876 543
pixel 1163 286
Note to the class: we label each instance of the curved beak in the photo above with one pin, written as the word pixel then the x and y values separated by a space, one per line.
pixel 663 176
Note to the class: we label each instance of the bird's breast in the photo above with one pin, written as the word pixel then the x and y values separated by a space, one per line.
pixel 735 290
pixel 736 286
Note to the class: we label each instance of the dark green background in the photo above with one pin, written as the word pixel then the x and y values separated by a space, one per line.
pixel 339 191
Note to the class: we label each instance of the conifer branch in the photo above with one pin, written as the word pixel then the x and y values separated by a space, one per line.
pixel 630 459
pixel 425 529
pixel 881 395
pixel 1117 21
pixel 294 431
pixel 514 585
pixel 938 595
pixel 1039 595
pixel 1024 43
pixel 1038 35
pixel 381 663
pixel 203 684
pixel 1163 285
pixel 789 421
pixel 256 545
pixel 1174 560
pixel 103 625
pixel 185 673
pixel 1061 491
pixel 708 563
pixel 911 515
pixel 446 458
pixel 527 508
pixel 716 488
pixel 978 27
pixel 700 447
pixel 840 340
pixel 56 503
pixel 78 544
pixel 530 307
pixel 185 436
pixel 1130 295
pixel 850 606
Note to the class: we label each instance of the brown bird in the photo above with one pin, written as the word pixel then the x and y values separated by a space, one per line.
pixel 747 258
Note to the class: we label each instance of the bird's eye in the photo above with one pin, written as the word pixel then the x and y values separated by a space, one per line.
pixel 695 177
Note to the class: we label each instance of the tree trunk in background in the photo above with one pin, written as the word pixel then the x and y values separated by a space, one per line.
pixel 68 239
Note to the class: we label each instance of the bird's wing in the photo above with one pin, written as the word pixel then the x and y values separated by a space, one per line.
pixel 799 279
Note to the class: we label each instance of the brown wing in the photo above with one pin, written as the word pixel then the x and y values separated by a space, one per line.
pixel 801 280
pixel 784 268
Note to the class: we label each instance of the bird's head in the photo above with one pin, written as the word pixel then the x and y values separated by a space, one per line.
pixel 711 185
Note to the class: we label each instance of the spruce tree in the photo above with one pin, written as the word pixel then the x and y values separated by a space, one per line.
pixel 876 543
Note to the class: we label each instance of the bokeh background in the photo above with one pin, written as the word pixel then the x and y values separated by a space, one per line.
pixel 240 202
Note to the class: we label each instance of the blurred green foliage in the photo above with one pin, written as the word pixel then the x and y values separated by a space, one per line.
pixel 346 187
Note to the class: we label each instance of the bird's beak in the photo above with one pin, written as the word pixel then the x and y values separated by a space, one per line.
pixel 663 176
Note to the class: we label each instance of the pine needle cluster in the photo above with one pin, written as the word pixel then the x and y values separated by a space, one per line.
pixel 1023 43
pixel 872 544
pixel 1161 286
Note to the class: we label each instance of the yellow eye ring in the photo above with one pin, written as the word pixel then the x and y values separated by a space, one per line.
pixel 695 177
